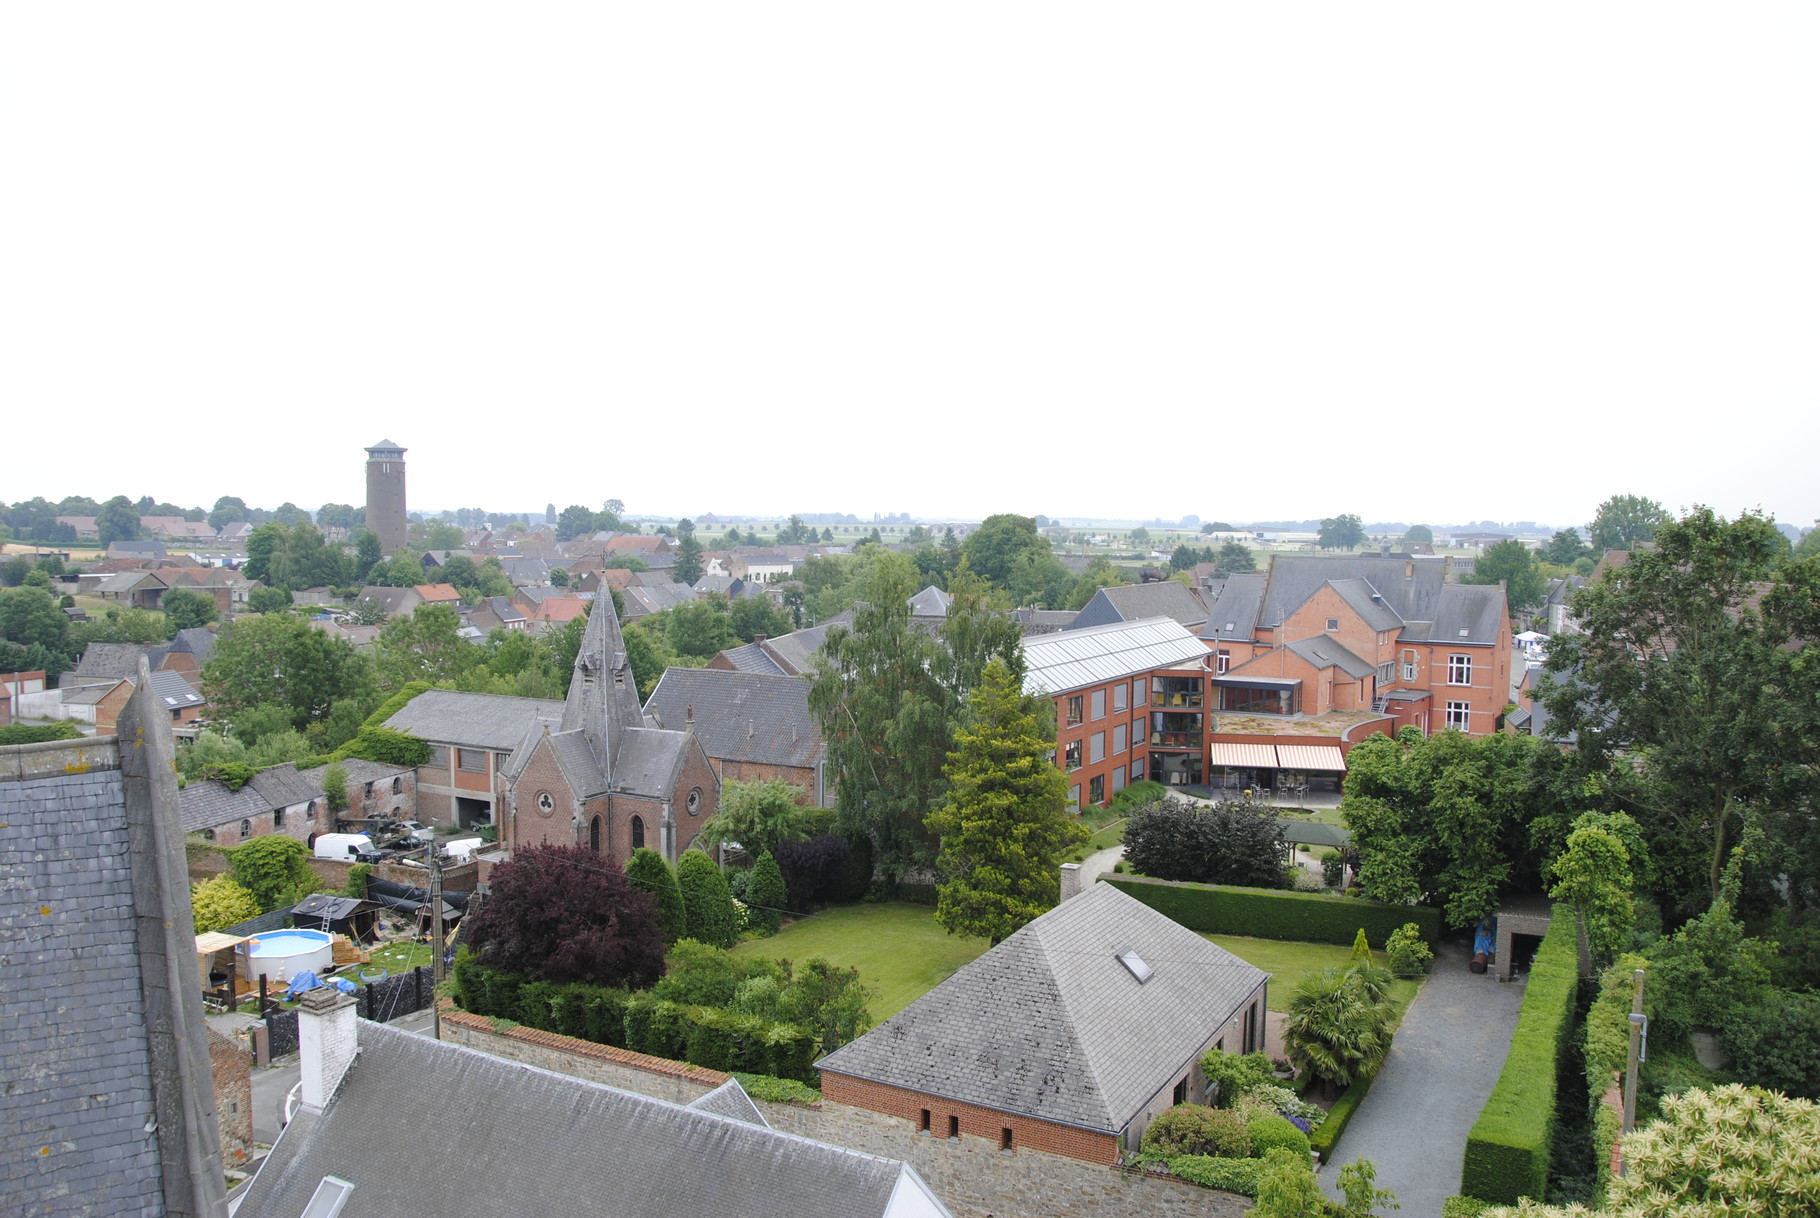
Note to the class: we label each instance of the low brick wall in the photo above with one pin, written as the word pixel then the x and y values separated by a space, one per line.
pixel 970 1174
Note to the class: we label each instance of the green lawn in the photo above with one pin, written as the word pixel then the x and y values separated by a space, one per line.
pixel 900 952
pixel 1288 962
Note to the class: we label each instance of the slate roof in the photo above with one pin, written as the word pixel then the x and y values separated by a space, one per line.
pixel 1071 659
pixel 120 660
pixel 752 658
pixel 88 695
pixel 1044 621
pixel 1364 600
pixel 647 762
pixel 1465 613
pixel 208 805
pixel 1049 1023
pixel 620 1153
pixel 795 652
pixel 174 692
pixel 930 602
pixel 1132 602
pixel 647 598
pixel 740 716
pixel 1324 651
pixel 1293 578
pixel 198 641
pixel 731 1101
pixel 1235 613
pixel 482 721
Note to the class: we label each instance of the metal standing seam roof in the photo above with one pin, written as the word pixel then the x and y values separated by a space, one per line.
pixel 1074 659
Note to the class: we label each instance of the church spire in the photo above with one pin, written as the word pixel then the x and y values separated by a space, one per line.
pixel 603 697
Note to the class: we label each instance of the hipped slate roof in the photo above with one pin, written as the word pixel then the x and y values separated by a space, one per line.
pixel 1410 592
pixel 1073 659
pixel 1323 651
pixel 740 716
pixel 1050 1024
pixel 616 1153
pixel 752 658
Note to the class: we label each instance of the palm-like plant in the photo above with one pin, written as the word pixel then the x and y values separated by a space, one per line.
pixel 1339 1024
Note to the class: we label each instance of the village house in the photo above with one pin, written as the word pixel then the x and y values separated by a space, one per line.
pixel 292 802
pixel 1115 1004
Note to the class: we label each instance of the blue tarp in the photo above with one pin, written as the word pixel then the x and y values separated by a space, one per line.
pixel 303 983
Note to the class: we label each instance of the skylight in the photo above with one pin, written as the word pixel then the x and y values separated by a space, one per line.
pixel 327 1200
pixel 1135 963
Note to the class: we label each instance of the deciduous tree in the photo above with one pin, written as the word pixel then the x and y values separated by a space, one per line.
pixel 1510 562
pixel 1233 842
pixel 117 521
pixel 282 661
pixel 275 869
pixel 1005 818
pixel 1688 690
pixel 218 903
pixel 186 608
pixel 759 815
pixel 1625 521
pixel 565 913
pixel 1341 532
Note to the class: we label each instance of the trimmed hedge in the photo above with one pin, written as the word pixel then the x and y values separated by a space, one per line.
pixel 1233 1175
pixel 1264 913
pixel 1457 1206
pixel 704 1036
pixel 1507 1150
pixel 1329 1131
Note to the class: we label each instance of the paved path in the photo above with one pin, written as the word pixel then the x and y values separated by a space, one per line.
pixel 1447 1054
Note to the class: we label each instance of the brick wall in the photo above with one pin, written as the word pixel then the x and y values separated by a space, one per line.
pixel 971 1175
pixel 230 1067
pixel 968 1119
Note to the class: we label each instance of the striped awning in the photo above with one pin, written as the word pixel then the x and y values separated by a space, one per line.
pixel 1244 756
pixel 1311 757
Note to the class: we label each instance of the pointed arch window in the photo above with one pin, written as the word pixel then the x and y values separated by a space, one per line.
pixel 638 832
pixel 594 835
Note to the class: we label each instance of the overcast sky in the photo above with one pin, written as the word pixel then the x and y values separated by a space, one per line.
pixel 1428 262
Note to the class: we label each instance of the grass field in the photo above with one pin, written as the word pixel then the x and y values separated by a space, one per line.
pixel 901 953
pixel 1288 962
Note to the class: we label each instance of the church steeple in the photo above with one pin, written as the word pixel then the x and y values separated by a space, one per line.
pixel 603 697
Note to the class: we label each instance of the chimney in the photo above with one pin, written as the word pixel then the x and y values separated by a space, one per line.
pixel 1384 549
pixel 326 1043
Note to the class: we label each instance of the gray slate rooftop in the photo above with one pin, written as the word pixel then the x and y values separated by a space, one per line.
pixel 1050 1024
pixel 619 1153
pixel 482 721
pixel 1133 602
pixel 740 716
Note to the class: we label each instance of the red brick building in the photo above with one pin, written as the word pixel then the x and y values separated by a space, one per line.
pixel 1127 701
pixel 1315 653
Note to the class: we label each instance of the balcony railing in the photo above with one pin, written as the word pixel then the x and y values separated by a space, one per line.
pixel 1161 698
pixel 1176 740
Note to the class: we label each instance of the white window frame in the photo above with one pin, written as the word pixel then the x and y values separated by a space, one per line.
pixel 1459 716
pixel 1222 660
pixel 1459 669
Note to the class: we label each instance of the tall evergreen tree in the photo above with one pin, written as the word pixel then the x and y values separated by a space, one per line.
pixel 1005 819
pixel 650 873
pixel 707 905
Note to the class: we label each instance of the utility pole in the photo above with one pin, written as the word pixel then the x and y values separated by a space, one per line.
pixel 435 937
pixel 1639 1052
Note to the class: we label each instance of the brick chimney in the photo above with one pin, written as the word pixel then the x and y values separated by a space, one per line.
pixel 326 1043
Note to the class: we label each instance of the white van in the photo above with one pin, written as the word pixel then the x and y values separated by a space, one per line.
pixel 345 847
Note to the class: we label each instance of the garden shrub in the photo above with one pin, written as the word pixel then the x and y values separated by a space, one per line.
pixel 1777 1045
pixel 1235 1075
pixel 1195 1129
pixel 1302 880
pixel 1508 1147
pixel 814 870
pixel 1233 842
pixel 357 879
pixel 767 896
pixel 1458 1206
pixel 1265 914
pixel 534 999
pixel 1233 1175
pixel 34 733
pixel 1269 1131
pixel 1327 1135
pixel 777 1090
pixel 1409 953
pixel 1333 868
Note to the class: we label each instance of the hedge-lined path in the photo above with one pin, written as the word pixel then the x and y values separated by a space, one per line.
pixel 1442 1065
pixel 1098 863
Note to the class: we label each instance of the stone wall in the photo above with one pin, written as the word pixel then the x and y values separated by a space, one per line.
pixel 230 1065
pixel 971 1175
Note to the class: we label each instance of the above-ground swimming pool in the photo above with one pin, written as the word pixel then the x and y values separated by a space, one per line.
pixel 282 954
